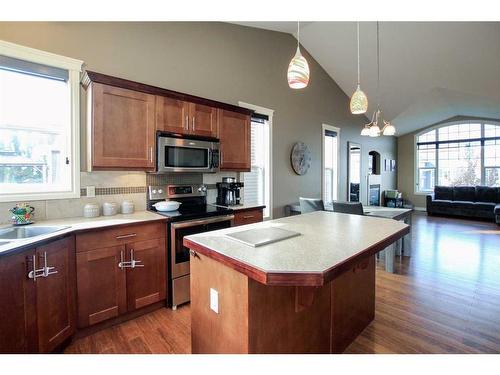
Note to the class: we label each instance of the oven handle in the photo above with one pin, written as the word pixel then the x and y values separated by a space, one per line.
pixel 191 223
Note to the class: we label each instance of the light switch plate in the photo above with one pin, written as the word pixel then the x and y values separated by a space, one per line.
pixel 214 300
pixel 90 191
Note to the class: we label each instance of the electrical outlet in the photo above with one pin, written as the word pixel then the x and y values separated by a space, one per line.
pixel 90 191
pixel 214 300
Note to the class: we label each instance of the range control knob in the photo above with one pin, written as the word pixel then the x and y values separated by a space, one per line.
pixel 202 189
pixel 154 191
pixel 160 191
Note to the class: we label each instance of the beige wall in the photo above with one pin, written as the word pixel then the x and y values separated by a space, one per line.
pixel 224 62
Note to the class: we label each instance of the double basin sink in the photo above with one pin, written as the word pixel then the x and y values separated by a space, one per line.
pixel 22 233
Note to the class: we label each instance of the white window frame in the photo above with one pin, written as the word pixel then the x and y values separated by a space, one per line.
pixel 337 130
pixel 269 113
pixel 416 190
pixel 74 67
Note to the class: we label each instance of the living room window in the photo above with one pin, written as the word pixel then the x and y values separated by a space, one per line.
pixel 258 184
pixel 458 154
pixel 39 118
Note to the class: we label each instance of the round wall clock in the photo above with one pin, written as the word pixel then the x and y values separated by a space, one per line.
pixel 300 158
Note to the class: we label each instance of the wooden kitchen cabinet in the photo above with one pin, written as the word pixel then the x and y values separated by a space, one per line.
pixel 146 284
pixel 109 285
pixel 172 115
pixel 234 136
pixel 37 315
pixel 17 304
pixel 250 216
pixel 101 285
pixel 203 120
pixel 121 126
pixel 178 116
pixel 55 294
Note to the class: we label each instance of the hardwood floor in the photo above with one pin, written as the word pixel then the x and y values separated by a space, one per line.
pixel 445 298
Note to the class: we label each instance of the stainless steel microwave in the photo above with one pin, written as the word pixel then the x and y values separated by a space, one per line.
pixel 183 154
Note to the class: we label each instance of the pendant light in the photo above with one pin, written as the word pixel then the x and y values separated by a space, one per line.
pixel 372 129
pixel 298 69
pixel 359 101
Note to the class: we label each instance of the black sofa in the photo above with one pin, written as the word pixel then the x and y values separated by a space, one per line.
pixel 467 201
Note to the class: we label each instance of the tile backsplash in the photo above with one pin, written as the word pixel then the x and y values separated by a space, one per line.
pixel 111 186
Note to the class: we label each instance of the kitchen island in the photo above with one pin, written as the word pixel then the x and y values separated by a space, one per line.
pixel 313 293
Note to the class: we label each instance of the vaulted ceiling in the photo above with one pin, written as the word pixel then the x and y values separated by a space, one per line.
pixel 429 71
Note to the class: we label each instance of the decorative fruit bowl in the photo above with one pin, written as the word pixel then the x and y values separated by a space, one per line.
pixel 22 214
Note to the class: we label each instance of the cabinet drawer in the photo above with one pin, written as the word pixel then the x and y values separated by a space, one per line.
pixel 119 235
pixel 248 216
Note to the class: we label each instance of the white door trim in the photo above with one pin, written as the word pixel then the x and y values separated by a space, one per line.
pixel 335 129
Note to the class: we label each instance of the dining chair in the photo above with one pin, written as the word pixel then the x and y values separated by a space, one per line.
pixel 354 208
pixel 310 205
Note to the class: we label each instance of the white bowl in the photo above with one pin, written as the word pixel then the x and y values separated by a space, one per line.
pixel 167 206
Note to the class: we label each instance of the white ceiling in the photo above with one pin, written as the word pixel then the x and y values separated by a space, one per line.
pixel 423 65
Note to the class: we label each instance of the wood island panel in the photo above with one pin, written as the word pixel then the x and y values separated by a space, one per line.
pixel 257 318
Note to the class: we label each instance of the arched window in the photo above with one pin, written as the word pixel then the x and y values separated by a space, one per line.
pixel 465 153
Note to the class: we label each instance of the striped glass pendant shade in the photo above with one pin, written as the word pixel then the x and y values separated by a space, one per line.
pixel 298 71
pixel 359 102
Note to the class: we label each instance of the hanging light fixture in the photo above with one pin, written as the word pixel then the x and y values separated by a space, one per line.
pixel 372 129
pixel 359 101
pixel 298 69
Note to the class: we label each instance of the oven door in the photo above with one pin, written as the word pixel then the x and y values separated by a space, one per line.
pixel 186 155
pixel 179 254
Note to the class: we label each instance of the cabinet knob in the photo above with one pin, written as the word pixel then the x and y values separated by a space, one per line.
pixel 193 253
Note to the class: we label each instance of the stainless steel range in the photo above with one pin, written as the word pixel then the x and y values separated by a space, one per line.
pixel 193 216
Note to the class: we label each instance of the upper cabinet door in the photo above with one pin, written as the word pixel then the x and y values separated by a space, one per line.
pixel 234 135
pixel 55 294
pixel 123 128
pixel 172 115
pixel 203 120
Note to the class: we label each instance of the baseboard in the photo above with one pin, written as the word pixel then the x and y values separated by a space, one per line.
pixel 420 209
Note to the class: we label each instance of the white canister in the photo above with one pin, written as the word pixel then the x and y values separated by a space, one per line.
pixel 127 207
pixel 109 208
pixel 91 210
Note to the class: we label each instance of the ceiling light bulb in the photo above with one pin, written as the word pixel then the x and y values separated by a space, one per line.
pixel 365 131
pixel 374 131
pixel 389 129
pixel 359 102
pixel 298 71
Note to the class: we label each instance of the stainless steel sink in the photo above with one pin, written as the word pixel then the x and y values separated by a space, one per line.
pixel 21 233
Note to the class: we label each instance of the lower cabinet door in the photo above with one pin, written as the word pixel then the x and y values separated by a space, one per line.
pixel 55 294
pixel 101 285
pixel 17 304
pixel 146 282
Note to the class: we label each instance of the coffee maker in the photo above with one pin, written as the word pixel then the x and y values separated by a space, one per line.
pixel 228 192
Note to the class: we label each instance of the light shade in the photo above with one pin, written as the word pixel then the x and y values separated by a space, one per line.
pixel 359 102
pixel 365 131
pixel 298 71
pixel 374 131
pixel 389 129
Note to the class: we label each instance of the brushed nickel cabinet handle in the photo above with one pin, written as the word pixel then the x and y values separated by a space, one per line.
pixel 151 154
pixel 47 270
pixel 126 236
pixel 35 273
pixel 187 122
pixel 134 263
pixel 193 124
pixel 248 217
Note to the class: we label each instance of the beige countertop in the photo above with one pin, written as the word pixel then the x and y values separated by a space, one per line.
pixel 77 224
pixel 328 242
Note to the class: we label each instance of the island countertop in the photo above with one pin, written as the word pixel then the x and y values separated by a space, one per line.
pixel 329 243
